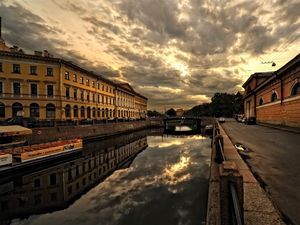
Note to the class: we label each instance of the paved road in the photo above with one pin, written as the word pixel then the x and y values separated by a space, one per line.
pixel 276 159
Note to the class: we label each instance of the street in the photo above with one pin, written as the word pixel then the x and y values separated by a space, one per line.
pixel 275 157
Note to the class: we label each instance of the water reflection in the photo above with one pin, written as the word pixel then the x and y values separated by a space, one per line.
pixel 166 184
pixel 57 187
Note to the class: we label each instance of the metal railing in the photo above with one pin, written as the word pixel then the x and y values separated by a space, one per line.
pixel 236 215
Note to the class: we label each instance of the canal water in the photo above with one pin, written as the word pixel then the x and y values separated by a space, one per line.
pixel 141 178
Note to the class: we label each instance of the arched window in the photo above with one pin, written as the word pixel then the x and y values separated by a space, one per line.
pixel 2 110
pixel 119 113
pixel 82 112
pixel 94 112
pixel 103 112
pixel 88 112
pixel 34 110
pixel 17 109
pixel 75 111
pixel 68 110
pixel 261 101
pixel 296 89
pixel 106 112
pixel 50 111
pixel 110 113
pixel 98 112
pixel 273 97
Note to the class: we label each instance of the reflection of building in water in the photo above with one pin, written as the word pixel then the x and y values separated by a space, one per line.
pixel 57 187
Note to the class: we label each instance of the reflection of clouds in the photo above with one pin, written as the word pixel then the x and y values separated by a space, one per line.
pixel 155 179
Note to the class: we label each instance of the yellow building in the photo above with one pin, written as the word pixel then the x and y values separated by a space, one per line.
pixel 41 86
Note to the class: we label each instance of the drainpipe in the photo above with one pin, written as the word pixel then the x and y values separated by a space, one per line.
pixel 60 90
pixel 281 90
pixel 255 105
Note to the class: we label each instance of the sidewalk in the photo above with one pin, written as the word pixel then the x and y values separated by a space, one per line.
pixel 280 127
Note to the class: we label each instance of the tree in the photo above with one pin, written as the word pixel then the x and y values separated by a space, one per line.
pixel 153 113
pixel 171 112
pixel 222 104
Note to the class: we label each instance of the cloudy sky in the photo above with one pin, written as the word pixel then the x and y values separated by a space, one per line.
pixel 178 53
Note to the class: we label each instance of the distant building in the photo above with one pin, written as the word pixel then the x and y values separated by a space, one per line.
pixel 179 112
pixel 274 97
pixel 41 86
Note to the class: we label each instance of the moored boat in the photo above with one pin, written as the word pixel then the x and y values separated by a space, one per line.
pixel 38 151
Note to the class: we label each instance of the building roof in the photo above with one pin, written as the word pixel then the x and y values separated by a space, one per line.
pixel 257 75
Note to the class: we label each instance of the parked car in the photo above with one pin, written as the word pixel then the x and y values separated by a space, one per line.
pixel 250 120
pixel 221 120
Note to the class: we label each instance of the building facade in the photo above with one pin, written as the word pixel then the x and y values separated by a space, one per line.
pixel 41 86
pixel 274 97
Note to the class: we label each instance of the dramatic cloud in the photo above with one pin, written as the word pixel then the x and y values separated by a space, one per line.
pixel 177 53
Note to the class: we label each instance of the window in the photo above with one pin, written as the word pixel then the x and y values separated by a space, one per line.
pixel 94 98
pixel 93 84
pixel 16 88
pixel 67 92
pixel 98 112
pixel 33 70
pixel 37 199
pixel 102 99
pixel 50 111
pixel 75 77
pixel 88 96
pixel 98 86
pixel 296 89
pixel 273 97
pixel 102 87
pixel 106 88
pixel 37 183
pixel 94 112
pixel 88 112
pixel 52 179
pixel 67 75
pixel 75 111
pixel 98 98
pixel 50 90
pixel 87 82
pixel 75 94
pixel 34 110
pixel 2 110
pixel 33 89
pixel 81 95
pixel 81 80
pixel 16 68
pixel 1 87
pixel 68 111
pixel 53 196
pixel 261 101
pixel 1 67
pixel 17 109
pixel 49 71
pixel 82 112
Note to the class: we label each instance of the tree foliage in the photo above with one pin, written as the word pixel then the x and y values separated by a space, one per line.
pixel 153 113
pixel 171 112
pixel 222 104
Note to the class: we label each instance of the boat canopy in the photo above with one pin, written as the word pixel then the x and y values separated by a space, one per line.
pixel 14 130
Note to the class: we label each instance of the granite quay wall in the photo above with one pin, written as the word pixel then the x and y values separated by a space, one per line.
pixel 87 132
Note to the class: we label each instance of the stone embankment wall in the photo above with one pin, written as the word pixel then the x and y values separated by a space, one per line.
pixel 46 134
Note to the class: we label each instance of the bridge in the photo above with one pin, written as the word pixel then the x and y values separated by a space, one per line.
pixel 182 125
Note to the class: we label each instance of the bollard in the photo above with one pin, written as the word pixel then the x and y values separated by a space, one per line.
pixel 219 152
pixel 229 175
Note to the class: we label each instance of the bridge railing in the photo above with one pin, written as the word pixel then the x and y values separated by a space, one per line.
pixel 231 184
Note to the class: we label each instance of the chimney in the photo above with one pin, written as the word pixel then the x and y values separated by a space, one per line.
pixel 38 53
